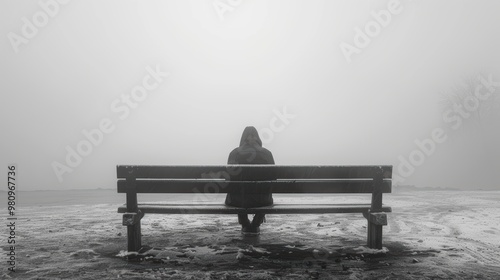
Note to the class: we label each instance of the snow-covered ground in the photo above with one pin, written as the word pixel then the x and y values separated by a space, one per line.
pixel 430 235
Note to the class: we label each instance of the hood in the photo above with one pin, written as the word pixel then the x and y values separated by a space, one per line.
pixel 250 130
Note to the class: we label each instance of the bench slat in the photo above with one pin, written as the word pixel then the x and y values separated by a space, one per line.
pixel 274 209
pixel 289 186
pixel 258 171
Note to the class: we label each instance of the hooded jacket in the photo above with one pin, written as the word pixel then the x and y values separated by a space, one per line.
pixel 250 151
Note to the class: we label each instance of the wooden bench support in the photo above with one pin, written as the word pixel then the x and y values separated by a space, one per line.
pixel 376 218
pixel 130 219
pixel 134 237
pixel 133 223
pixel 375 223
pixel 374 236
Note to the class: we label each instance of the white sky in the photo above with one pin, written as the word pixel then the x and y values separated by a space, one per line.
pixel 227 74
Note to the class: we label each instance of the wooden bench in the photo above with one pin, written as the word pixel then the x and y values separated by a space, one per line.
pixel 201 180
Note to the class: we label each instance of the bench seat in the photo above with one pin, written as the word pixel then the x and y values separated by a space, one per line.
pixel 212 208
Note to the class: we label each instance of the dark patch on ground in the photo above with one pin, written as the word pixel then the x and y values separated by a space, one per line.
pixel 282 259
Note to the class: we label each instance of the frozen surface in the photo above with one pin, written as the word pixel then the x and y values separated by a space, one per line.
pixel 430 235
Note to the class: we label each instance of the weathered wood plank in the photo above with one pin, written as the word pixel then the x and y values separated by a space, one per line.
pixel 207 208
pixel 288 186
pixel 256 171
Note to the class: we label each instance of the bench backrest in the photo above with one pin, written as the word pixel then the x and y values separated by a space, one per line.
pixel 283 178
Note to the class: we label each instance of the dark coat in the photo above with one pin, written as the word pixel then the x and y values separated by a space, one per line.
pixel 250 151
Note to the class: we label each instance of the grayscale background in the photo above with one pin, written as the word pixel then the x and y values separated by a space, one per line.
pixel 249 65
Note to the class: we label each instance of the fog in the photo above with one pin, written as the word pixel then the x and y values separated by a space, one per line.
pixel 88 85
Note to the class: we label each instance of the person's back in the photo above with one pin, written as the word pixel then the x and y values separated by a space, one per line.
pixel 250 151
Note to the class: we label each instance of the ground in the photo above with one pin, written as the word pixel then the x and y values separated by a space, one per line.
pixel 430 235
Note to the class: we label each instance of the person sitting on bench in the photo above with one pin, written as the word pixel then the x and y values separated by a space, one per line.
pixel 250 151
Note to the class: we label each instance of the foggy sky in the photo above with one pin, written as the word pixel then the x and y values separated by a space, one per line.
pixel 262 61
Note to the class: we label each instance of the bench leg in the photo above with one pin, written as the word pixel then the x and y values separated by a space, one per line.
pixel 375 223
pixel 133 222
pixel 134 237
pixel 374 236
